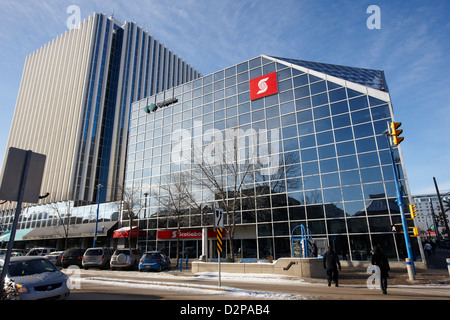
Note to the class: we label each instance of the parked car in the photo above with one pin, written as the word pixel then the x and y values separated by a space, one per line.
pixel 55 257
pixel 72 256
pixel 19 252
pixel 97 257
pixel 125 258
pixel 14 253
pixel 154 260
pixel 36 278
pixel 40 251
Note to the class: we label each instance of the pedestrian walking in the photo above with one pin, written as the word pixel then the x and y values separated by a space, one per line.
pixel 379 259
pixel 428 248
pixel 331 264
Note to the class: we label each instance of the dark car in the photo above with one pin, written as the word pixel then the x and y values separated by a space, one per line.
pixel 154 260
pixel 72 256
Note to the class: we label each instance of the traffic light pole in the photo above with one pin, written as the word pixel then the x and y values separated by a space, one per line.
pixel 401 204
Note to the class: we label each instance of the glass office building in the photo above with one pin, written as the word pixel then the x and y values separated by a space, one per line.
pixel 312 153
pixel 82 84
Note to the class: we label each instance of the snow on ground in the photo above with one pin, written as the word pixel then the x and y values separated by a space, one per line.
pixel 251 277
pixel 191 288
pixel 165 280
pixel 242 277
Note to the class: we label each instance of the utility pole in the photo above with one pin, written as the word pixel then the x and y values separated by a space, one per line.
pixel 442 208
pixel 436 227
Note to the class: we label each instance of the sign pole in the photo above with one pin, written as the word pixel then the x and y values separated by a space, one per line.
pixel 219 250
pixel 218 225
pixel 12 235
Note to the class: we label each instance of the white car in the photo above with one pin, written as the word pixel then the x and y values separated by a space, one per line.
pixel 55 257
pixel 40 251
pixel 37 278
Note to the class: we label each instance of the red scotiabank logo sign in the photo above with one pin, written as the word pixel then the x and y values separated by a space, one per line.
pixel 263 86
pixel 186 234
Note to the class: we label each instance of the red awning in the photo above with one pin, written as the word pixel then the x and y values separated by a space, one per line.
pixel 125 231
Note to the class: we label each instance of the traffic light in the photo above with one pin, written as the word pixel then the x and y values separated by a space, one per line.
pixel 395 132
pixel 412 210
pixel 398 229
pixel 415 232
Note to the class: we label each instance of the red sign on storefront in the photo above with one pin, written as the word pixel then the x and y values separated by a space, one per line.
pixel 263 86
pixel 186 234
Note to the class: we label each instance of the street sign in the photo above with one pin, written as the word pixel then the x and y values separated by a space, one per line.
pixel 13 172
pixel 219 240
pixel 218 218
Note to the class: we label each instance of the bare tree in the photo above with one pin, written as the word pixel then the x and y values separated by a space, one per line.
pixel 174 195
pixel 230 172
pixel 224 169
pixel 131 206
pixel 63 212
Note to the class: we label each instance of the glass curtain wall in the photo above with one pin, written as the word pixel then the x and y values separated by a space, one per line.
pixel 336 176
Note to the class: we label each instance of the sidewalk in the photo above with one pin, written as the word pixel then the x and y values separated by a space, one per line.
pixel 438 259
pixel 359 276
pixel 437 273
pixel 397 276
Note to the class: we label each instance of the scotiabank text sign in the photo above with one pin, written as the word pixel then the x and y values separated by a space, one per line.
pixel 263 86
pixel 186 234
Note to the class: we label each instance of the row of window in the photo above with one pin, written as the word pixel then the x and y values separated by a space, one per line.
pixel 275 105
pixel 317 227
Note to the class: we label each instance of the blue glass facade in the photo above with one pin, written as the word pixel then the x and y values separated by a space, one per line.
pixel 325 125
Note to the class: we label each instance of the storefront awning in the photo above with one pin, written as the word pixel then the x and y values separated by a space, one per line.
pixel 125 232
pixel 20 233
pixel 75 231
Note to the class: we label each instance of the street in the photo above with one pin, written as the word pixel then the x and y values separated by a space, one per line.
pixel 174 285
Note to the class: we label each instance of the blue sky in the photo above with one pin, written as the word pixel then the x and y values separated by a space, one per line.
pixel 412 47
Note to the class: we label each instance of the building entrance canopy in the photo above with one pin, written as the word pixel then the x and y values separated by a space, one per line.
pixel 125 232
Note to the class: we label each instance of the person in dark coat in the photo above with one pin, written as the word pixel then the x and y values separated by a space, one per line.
pixel 331 264
pixel 314 250
pixel 380 260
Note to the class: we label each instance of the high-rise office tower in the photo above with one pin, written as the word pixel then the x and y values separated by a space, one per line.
pixel 74 102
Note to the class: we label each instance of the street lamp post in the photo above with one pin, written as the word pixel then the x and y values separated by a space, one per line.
pixel 98 209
